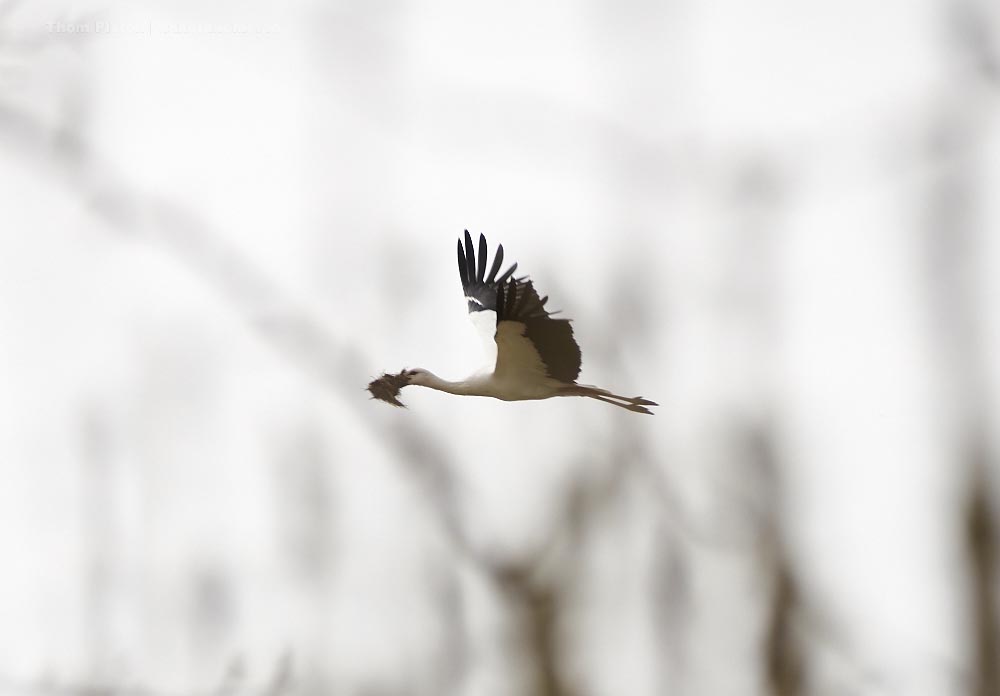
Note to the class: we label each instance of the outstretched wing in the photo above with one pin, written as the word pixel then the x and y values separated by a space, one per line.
pixel 527 335
pixel 481 290
pixel 512 320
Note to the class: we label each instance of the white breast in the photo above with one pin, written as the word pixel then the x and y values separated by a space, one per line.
pixel 485 323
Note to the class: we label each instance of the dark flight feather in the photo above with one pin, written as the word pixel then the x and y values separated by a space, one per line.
pixel 553 339
pixel 462 270
pixel 481 271
pixel 496 265
pixel 470 258
pixel 506 274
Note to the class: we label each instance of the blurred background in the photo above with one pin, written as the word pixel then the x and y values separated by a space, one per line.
pixel 219 221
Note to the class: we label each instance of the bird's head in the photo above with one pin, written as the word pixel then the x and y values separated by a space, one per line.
pixel 387 387
pixel 417 375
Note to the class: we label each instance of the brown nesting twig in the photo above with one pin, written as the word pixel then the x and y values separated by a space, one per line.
pixel 386 388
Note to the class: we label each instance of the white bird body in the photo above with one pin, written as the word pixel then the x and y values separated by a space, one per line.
pixel 509 387
pixel 532 355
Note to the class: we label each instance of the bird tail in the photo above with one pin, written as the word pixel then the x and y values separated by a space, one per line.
pixel 636 404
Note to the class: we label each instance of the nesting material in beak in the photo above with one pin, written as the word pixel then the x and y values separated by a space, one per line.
pixel 386 388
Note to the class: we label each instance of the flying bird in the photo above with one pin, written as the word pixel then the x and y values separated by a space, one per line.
pixel 533 354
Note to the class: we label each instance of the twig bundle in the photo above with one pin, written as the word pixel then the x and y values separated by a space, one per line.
pixel 386 388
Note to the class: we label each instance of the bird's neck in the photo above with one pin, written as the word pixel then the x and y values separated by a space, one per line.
pixel 467 387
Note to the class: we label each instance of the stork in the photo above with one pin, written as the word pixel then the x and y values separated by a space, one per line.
pixel 533 355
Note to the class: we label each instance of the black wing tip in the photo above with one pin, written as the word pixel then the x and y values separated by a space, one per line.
pixel 463 272
pixel 511 296
pixel 481 269
pixel 470 251
pixel 474 268
pixel 507 274
pixel 470 258
pixel 497 260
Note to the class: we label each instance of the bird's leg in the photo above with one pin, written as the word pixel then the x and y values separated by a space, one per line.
pixel 636 408
pixel 632 403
